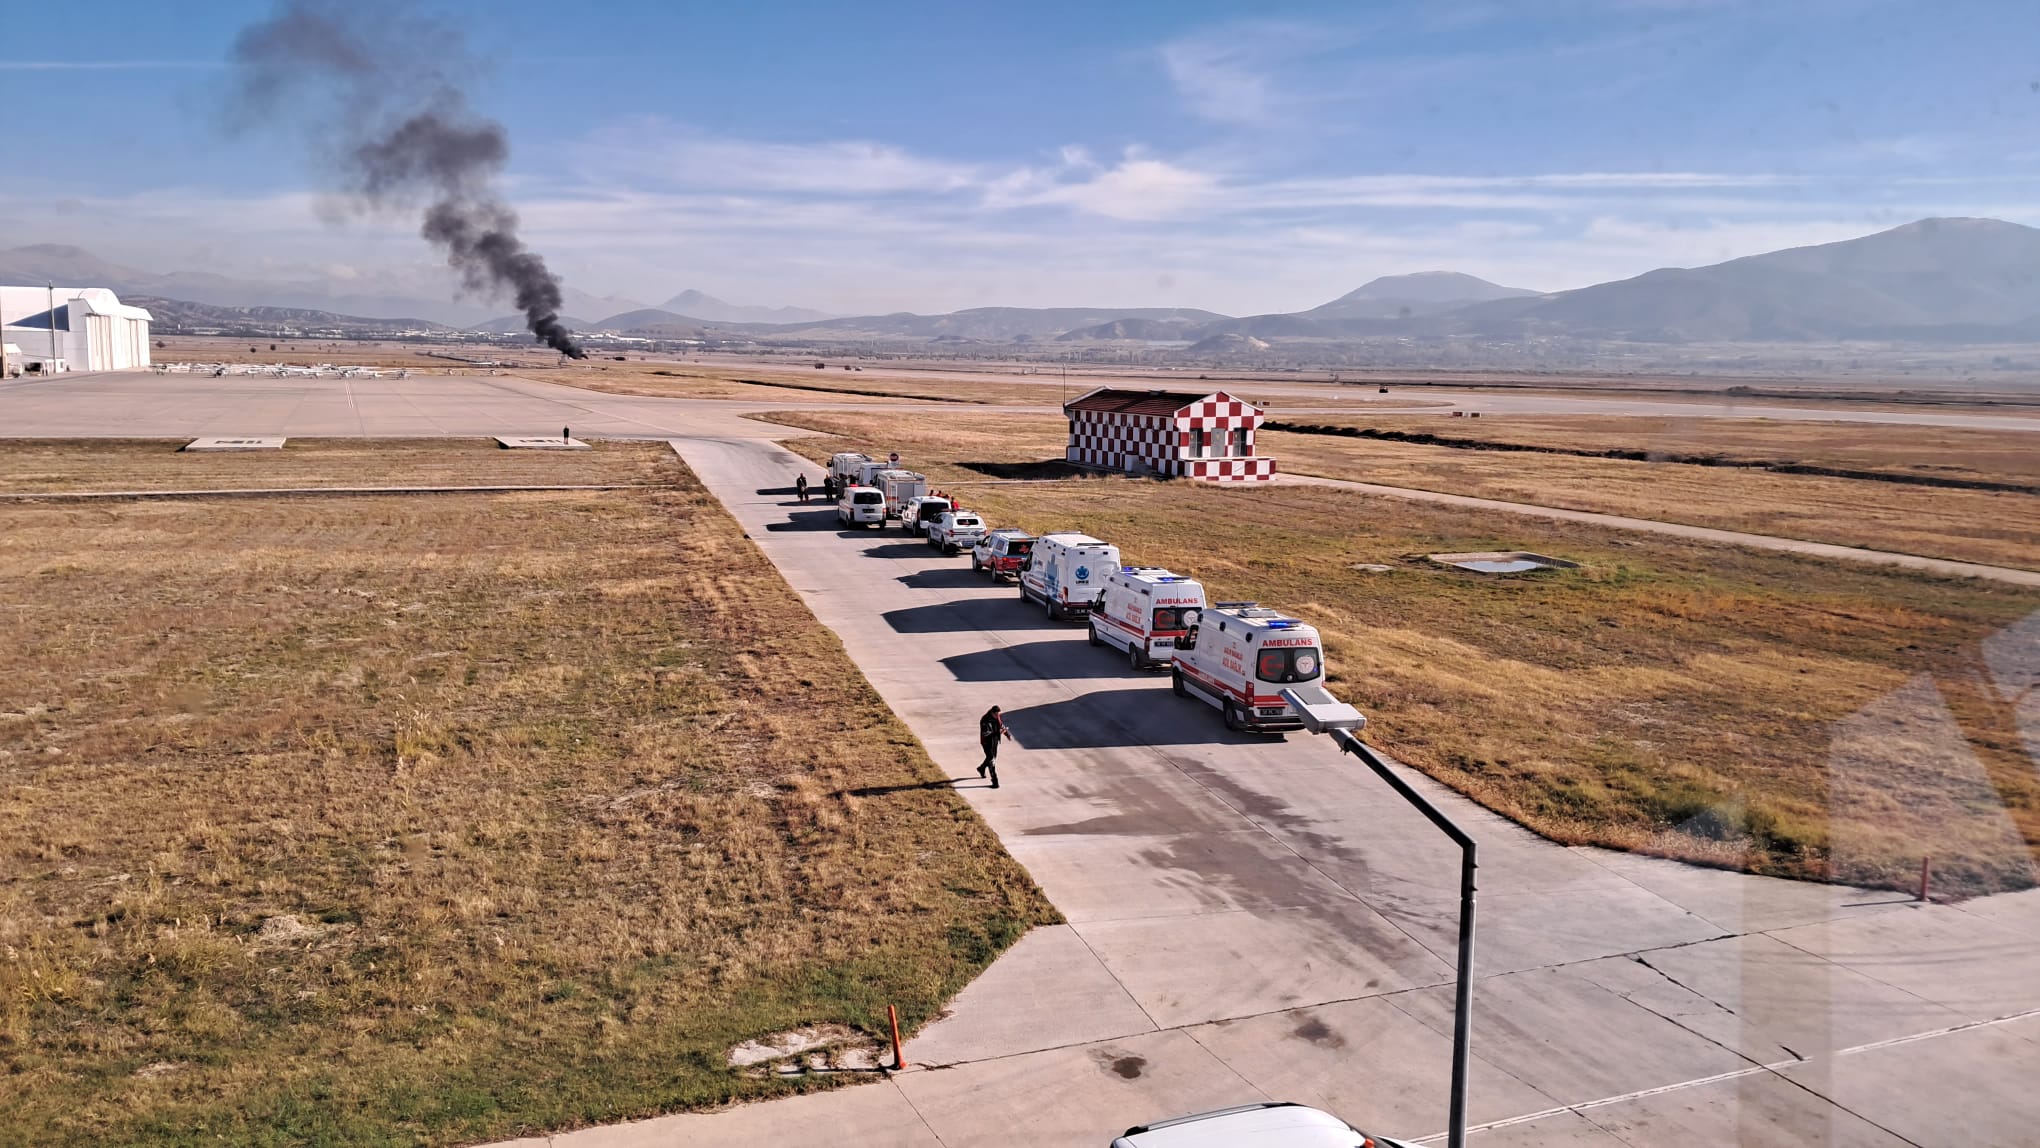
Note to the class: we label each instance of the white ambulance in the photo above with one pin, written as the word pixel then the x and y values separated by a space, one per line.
pixel 1144 610
pixel 844 465
pixel 899 487
pixel 861 506
pixel 1241 656
pixel 1066 573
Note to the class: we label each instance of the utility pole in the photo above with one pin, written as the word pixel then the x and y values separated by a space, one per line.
pixel 53 325
pixel 1322 713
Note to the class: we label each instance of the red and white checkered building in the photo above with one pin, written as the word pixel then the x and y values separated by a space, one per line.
pixel 1167 433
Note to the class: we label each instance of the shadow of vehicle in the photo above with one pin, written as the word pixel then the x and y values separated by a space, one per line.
pixel 967 614
pixel 945 579
pixel 1123 717
pixel 1032 661
pixel 806 520
pixel 900 550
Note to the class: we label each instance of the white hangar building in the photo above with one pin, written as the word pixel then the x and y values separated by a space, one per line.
pixel 71 329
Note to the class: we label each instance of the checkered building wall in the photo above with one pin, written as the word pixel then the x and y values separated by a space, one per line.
pixel 1173 444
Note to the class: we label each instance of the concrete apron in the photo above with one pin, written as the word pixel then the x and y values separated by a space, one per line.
pixel 1256 919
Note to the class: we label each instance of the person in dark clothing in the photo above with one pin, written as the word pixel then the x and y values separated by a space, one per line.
pixel 800 486
pixel 829 487
pixel 991 728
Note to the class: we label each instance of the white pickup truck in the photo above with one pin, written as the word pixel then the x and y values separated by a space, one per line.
pixel 956 530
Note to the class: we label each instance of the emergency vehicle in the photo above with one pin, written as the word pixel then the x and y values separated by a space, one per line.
pixel 1240 656
pixel 1066 573
pixel 956 530
pixel 843 467
pixel 1001 552
pixel 899 487
pixel 919 512
pixel 1144 610
pixel 861 506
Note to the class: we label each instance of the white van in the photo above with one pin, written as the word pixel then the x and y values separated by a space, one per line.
pixel 1143 611
pixel 1066 573
pixel 1240 656
pixel 861 506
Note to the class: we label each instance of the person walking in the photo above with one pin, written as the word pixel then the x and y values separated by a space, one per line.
pixel 991 728
pixel 800 486
pixel 829 487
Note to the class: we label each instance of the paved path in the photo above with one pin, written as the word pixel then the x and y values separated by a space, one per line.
pixel 1254 918
pixel 1945 566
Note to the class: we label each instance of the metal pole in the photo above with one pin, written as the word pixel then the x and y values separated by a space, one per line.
pixel 53 326
pixel 1462 1002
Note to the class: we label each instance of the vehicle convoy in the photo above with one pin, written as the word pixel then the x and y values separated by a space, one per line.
pixel 1143 611
pixel 1066 573
pixel 1000 552
pixel 1240 656
pixel 861 506
pixel 899 487
pixel 919 512
pixel 956 530
pixel 844 466
pixel 1270 1124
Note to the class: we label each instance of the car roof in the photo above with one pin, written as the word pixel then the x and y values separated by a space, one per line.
pixel 1268 1125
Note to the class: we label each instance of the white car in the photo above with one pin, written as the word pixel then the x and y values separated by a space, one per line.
pixel 1266 1125
pixel 861 506
pixel 956 530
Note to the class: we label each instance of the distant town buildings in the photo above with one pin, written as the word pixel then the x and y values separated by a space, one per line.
pixel 48 330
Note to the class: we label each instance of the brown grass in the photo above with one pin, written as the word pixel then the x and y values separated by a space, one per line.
pixel 1975 526
pixel 39 465
pixel 438 819
pixel 1689 700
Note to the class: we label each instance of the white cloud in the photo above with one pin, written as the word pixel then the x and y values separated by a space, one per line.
pixel 666 154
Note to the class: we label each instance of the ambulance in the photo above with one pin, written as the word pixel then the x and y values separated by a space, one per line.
pixel 843 467
pixel 899 487
pixel 1066 573
pixel 1144 610
pixel 1240 657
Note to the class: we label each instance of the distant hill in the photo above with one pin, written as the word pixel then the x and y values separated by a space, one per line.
pixel 511 324
pixel 1404 296
pixel 1970 280
pixel 1231 343
pixel 1146 330
pixel 714 310
pixel 998 324
pixel 173 313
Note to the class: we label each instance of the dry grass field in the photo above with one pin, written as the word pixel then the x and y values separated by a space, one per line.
pixel 1731 707
pixel 1991 527
pixel 433 820
pixel 50 465
pixel 1944 452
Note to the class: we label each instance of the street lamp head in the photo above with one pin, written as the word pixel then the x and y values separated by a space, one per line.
pixel 1320 711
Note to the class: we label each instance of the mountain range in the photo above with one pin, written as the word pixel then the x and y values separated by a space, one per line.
pixel 1935 280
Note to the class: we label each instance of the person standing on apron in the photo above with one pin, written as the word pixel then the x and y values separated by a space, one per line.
pixel 991 728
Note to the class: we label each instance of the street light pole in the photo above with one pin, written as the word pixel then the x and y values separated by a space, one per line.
pixel 1322 713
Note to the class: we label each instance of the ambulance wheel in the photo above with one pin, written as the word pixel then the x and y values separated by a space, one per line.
pixel 1023 590
pixel 1176 685
pixel 976 567
pixel 1093 636
pixel 1055 613
pixel 1138 659
pixel 1232 718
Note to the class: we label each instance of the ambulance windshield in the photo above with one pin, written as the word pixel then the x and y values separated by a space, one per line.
pixel 1288 664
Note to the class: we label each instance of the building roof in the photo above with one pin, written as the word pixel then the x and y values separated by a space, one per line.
pixel 1111 401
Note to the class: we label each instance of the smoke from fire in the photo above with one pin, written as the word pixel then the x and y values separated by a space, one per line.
pixel 391 120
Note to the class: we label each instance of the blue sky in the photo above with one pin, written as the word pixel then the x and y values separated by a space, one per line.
pixel 1244 158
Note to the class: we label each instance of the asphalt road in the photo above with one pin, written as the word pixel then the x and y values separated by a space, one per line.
pixel 1257 918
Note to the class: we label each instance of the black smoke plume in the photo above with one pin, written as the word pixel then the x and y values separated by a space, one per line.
pixel 374 86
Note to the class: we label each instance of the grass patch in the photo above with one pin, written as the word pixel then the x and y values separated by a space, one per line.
pixel 1996 528
pixel 1740 708
pixel 399 821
